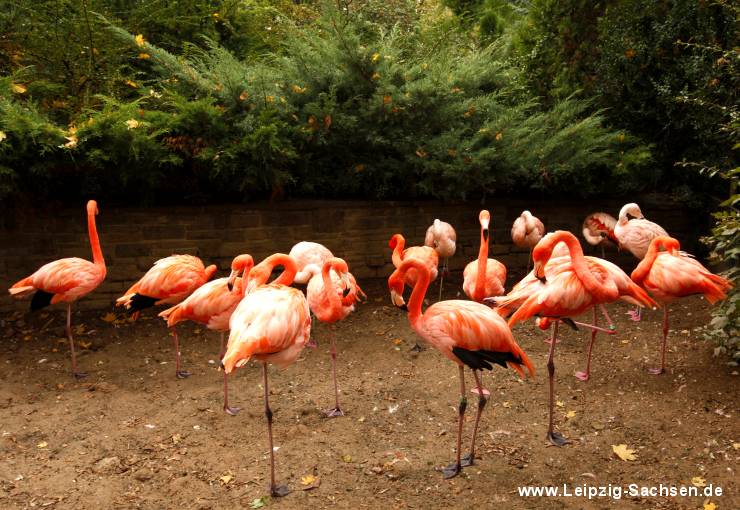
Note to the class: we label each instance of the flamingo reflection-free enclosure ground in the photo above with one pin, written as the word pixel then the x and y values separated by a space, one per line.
pixel 133 436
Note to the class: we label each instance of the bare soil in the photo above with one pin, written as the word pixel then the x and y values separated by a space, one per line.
pixel 133 436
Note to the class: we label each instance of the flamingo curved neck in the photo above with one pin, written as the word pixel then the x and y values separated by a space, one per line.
pixel 580 266
pixel 334 300
pixel 643 268
pixel 92 232
pixel 419 290
pixel 480 279
pixel 398 250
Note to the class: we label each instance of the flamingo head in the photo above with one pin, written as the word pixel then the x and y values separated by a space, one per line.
pixel 240 266
pixel 484 218
pixel 395 286
pixel 395 239
pixel 630 211
pixel 339 266
pixel 92 208
pixel 665 243
pixel 210 270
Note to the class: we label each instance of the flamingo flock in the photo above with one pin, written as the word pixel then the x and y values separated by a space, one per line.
pixel 271 322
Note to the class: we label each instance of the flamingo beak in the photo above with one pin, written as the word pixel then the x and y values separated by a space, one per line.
pixel 397 300
pixel 232 279
pixel 484 224
pixel 347 285
pixel 539 273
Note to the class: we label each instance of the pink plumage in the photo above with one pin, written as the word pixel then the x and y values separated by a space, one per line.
pixel 484 277
pixel 442 237
pixel 634 232
pixel 527 230
pixel 309 258
pixel 428 256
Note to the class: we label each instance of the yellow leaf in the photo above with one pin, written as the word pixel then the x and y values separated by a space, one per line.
pixel 176 438
pixel 375 76
pixel 559 403
pixel 359 167
pixel 139 40
pixel 132 123
pixel 132 84
pixel 421 153
pixel 27 338
pixel 506 404
pixel 226 479
pixel 84 345
pixel 298 90
pixel 708 505
pixel 623 452
pixel 424 66
pixel 630 53
pixel 109 317
pixel 698 481
pixel 455 90
pixel 375 57
pixel 42 444
pixel 3 136
pixel 570 414
pixel 18 88
pixel 396 341
pixel 196 331
pixel 387 99
pixel 499 136
pixel 270 99
pixel 736 446
pixel 144 56
pixel 346 458
pixel 452 152
pixel 307 479
pixel 244 95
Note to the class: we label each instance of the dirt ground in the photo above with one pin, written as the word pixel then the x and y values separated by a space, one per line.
pixel 134 436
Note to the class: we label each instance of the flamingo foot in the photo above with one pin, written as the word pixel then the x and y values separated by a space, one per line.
pixel 582 376
pixel 416 348
pixel 232 410
pixel 485 392
pixel 635 315
pixel 312 343
pixel 549 341
pixel 333 413
pixel 557 439
pixel 655 371
pixel 79 375
pixel 451 471
pixel 468 460
pixel 183 374
pixel 279 491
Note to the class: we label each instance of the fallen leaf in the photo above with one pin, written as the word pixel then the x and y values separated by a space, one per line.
pixel 226 479
pixel 18 88
pixel 346 458
pixel 258 502
pixel 42 444
pixel 559 403
pixel 506 404
pixel 570 414
pixel 84 345
pixel 708 505
pixel 396 341
pixel 623 452
pixel 176 438
pixel 698 481
pixel 109 317
pixel 307 479
pixel 736 446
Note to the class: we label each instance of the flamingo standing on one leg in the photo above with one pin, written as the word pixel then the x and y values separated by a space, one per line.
pixel 468 333
pixel 169 281
pixel 598 228
pixel 324 293
pixel 527 231
pixel 484 277
pixel 212 304
pixel 305 254
pixel 634 232
pixel 671 274
pixel 424 253
pixel 66 280
pixel 272 324
pixel 442 237
pixel 569 287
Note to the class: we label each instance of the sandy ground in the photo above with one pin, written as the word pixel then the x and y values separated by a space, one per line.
pixel 134 436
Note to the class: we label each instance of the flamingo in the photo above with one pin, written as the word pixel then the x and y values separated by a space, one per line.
pixel 634 232
pixel 169 281
pixel 671 274
pixel 527 231
pixel 598 228
pixel 424 253
pixel 323 294
pixel 212 304
pixel 466 332
pixel 484 277
pixel 272 324
pixel 569 286
pixel 65 281
pixel 442 237
pixel 306 253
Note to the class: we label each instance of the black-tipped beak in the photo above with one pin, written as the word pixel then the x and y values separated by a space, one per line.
pixel 230 286
pixel 542 278
pixel 221 365
pixel 403 307
pixel 485 234
pixel 345 292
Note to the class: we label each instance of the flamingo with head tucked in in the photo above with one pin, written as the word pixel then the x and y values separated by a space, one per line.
pixel 598 228
pixel 66 280
pixel 568 287
pixel 468 333
pixel 484 277
pixel 271 324
pixel 527 231
pixel 668 274
pixel 212 304
pixel 306 254
pixel 169 281
pixel 443 238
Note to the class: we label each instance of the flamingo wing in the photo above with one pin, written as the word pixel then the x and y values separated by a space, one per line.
pixel 61 280
pixel 673 276
pixel 308 253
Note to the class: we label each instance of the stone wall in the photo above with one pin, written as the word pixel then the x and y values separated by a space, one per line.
pixel 133 238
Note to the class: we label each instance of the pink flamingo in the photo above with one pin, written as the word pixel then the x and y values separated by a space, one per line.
pixel 671 274
pixel 598 228
pixel 443 238
pixel 634 232
pixel 212 304
pixel 569 287
pixel 484 277
pixel 66 280
pixel 307 253
pixel 169 281
pixel 466 332
pixel 323 294
pixel 527 231
pixel 272 324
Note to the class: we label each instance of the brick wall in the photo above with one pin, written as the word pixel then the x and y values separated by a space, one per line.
pixel 133 238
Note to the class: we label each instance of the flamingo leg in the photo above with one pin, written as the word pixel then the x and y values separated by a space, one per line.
pixel 658 371
pixel 442 279
pixel 636 314
pixel 275 490
pixel 227 408
pixel 181 374
pixel 75 373
pixel 528 261
pixel 603 256
pixel 454 469
pixel 469 459
pixel 337 411
pixel 555 437
pixel 583 376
